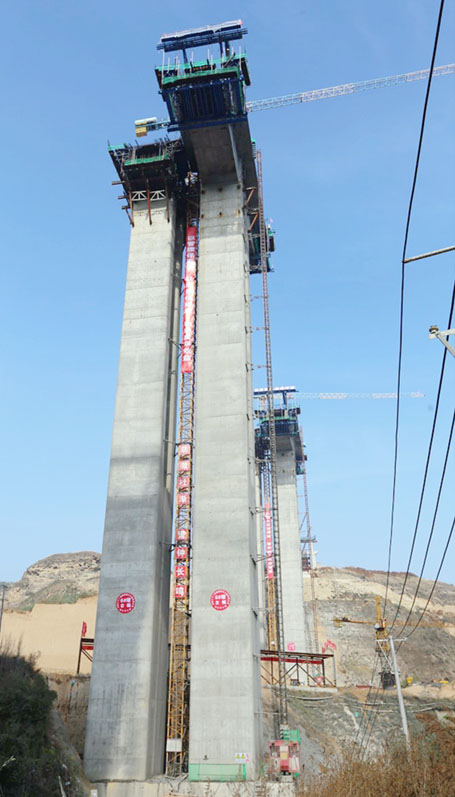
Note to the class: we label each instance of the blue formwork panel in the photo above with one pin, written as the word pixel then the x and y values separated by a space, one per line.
pixel 195 104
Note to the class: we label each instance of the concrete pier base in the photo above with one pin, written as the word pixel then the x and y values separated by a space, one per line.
pixel 183 788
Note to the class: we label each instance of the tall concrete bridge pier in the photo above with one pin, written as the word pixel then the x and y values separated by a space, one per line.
pixel 289 463
pixel 125 736
pixel 126 728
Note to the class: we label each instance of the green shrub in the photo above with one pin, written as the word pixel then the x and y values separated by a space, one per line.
pixel 29 766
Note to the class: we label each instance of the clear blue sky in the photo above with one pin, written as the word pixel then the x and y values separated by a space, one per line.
pixel 337 182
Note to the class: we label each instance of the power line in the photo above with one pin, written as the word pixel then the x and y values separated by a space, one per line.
pixel 364 719
pixel 435 581
pixel 403 267
pixel 427 464
pixel 377 702
pixel 430 537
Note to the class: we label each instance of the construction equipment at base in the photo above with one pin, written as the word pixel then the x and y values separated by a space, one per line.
pixel 284 756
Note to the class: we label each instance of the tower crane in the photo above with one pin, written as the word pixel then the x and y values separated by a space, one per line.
pixel 382 638
pixel 380 623
pixel 144 126
pixel 347 88
pixel 340 396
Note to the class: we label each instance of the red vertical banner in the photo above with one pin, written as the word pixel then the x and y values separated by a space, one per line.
pixel 268 541
pixel 189 301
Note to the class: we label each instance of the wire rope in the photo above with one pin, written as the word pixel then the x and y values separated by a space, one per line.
pixel 430 537
pixel 435 581
pixel 364 721
pixel 427 464
pixel 377 703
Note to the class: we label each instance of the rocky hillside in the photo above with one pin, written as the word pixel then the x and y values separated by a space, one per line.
pixel 61 578
pixel 351 592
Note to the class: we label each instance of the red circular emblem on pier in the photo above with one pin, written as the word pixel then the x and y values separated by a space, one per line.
pixel 125 603
pixel 220 600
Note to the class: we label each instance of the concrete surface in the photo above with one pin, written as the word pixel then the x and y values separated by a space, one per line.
pixel 127 706
pixel 291 566
pixel 183 787
pixel 225 700
pixel 260 566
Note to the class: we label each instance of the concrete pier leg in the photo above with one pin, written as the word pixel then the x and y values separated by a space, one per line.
pixel 291 566
pixel 126 727
pixel 260 565
pixel 225 719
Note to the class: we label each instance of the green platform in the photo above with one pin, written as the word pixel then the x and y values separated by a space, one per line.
pixel 217 773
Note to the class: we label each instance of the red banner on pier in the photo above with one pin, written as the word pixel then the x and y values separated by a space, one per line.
pixel 268 541
pixel 189 301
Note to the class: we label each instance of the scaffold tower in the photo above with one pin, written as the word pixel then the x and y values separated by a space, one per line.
pixel 178 689
pixel 271 477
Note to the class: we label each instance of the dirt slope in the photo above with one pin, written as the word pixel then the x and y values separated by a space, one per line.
pixel 350 592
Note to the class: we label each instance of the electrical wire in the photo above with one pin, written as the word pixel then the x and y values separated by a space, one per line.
pixel 378 701
pixel 403 267
pixel 369 716
pixel 427 463
pixel 430 537
pixel 373 673
pixel 435 581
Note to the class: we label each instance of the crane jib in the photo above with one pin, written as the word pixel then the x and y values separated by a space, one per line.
pixel 346 88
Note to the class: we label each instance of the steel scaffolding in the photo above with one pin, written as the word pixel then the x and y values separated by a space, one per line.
pixel 178 688
pixel 282 690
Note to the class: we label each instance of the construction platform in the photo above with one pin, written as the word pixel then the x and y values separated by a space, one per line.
pixel 302 669
pixel 155 171
pixel 286 430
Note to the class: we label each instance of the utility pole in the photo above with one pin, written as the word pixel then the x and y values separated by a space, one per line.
pixel 404 720
pixel 443 336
